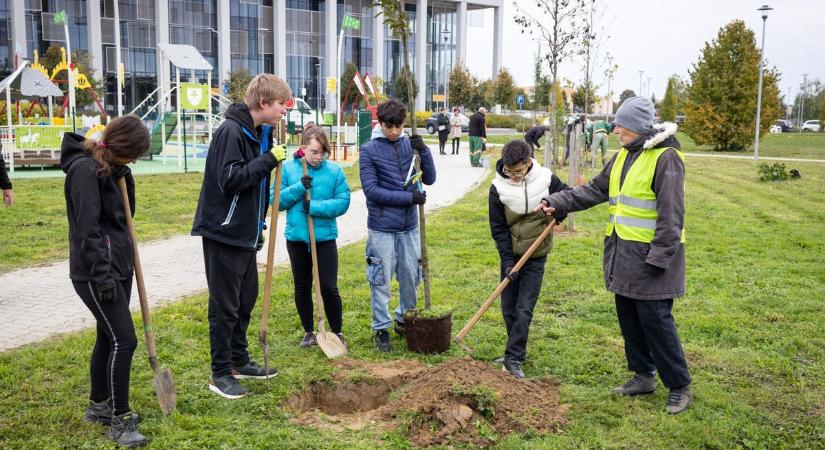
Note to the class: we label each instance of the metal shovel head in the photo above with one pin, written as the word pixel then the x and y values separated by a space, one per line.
pixel 165 391
pixel 330 344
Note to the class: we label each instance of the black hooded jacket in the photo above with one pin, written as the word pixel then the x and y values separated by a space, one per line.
pixel 234 196
pixel 100 249
pixel 5 183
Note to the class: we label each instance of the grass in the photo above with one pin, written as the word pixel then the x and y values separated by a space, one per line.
pixel 785 145
pixel 752 327
pixel 35 230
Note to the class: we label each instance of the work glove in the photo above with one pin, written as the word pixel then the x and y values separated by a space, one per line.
pixel 419 198
pixel 107 293
pixel 306 180
pixel 261 241
pixel 306 207
pixel 279 152
pixel 512 276
pixel 298 153
pixel 417 143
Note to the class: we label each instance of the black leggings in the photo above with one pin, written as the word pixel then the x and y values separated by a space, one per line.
pixel 456 145
pixel 301 259
pixel 442 140
pixel 115 344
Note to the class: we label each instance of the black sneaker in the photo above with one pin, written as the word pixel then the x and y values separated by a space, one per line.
pixel 308 340
pixel 382 341
pixel 640 384
pixel 124 431
pixel 679 400
pixel 399 328
pixel 227 387
pixel 99 412
pixel 253 370
pixel 343 341
pixel 514 367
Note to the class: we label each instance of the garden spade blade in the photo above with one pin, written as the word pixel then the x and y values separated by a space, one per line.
pixel 164 387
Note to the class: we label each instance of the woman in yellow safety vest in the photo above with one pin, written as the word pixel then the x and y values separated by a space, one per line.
pixel 644 254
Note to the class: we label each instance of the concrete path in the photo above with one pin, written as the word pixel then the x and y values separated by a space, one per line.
pixel 38 302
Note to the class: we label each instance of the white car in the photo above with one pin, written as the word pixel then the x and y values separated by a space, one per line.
pixel 811 125
pixel 302 114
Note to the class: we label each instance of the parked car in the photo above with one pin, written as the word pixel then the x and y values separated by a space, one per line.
pixel 781 126
pixel 301 114
pixel 431 124
pixel 811 125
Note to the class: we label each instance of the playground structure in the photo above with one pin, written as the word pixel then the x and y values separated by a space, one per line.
pixel 191 120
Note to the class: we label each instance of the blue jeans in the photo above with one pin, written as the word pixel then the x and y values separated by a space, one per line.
pixel 389 253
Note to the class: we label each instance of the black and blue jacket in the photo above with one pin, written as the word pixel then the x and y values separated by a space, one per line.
pixel 234 196
pixel 384 166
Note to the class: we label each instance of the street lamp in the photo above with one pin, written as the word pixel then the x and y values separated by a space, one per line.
pixel 446 33
pixel 764 9
pixel 641 72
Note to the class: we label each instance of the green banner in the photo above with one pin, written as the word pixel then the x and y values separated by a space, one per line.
pixel 351 22
pixel 194 96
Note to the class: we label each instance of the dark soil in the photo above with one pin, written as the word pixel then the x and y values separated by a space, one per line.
pixel 462 401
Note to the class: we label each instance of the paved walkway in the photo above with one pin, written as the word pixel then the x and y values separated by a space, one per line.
pixel 38 302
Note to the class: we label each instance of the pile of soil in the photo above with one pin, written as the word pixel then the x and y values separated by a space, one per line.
pixel 459 401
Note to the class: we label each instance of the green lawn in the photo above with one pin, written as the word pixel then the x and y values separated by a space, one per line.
pixel 786 145
pixel 35 230
pixel 752 326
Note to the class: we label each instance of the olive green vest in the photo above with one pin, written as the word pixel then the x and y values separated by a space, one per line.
pixel 525 228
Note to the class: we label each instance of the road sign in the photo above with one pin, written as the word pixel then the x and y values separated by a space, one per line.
pixel 332 83
pixel 520 99
pixel 290 103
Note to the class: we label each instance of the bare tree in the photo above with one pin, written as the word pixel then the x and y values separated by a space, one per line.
pixel 552 23
pixel 395 17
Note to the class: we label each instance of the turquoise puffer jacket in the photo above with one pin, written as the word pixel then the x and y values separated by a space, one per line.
pixel 330 199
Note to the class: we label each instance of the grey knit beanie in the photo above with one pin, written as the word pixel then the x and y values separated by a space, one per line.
pixel 635 114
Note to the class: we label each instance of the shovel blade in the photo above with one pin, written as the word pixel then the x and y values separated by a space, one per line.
pixel 165 391
pixel 331 344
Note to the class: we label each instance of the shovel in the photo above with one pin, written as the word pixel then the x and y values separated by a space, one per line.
pixel 473 320
pixel 329 342
pixel 270 261
pixel 164 388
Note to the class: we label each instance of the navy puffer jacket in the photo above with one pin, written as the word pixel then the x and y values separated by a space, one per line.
pixel 384 166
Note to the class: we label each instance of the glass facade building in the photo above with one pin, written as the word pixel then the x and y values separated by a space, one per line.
pixel 291 38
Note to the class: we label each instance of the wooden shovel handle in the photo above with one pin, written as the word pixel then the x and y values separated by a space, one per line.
pixel 144 303
pixel 270 254
pixel 505 282
pixel 316 283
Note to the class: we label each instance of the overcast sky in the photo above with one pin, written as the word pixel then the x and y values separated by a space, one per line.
pixel 663 38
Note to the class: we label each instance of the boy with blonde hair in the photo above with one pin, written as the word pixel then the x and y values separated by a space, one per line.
pixel 230 217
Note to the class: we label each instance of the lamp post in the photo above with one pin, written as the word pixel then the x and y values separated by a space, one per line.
pixel 641 72
pixel 764 9
pixel 446 33
pixel 648 87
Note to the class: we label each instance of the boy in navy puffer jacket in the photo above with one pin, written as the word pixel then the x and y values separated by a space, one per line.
pixel 393 244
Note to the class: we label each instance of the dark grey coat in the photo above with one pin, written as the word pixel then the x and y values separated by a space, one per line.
pixel 654 271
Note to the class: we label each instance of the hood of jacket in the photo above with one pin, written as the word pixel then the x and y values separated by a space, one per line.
pixel 71 149
pixel 239 112
pixel 661 135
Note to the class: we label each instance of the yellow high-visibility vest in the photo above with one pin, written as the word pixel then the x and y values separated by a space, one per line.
pixel 632 210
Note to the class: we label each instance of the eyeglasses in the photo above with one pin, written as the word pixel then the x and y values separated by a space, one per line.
pixel 516 173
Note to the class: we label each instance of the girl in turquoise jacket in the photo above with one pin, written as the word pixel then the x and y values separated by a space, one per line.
pixel 330 198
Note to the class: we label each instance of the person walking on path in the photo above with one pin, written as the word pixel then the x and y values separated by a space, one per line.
pixel 230 219
pixel 101 262
pixel 393 244
pixel 443 124
pixel 478 136
pixel 518 188
pixel 330 199
pixel 532 137
pixel 644 252
pixel 455 130
pixel 5 183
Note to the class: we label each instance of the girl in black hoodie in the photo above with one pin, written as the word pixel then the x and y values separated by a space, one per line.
pixel 101 262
